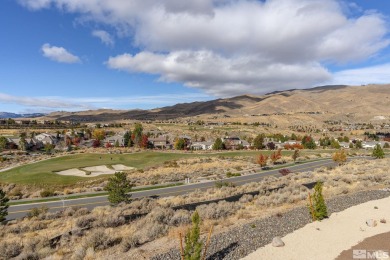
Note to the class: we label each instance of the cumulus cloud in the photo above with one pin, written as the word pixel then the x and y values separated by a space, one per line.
pixel 369 75
pixel 223 46
pixel 219 75
pixel 59 54
pixel 104 36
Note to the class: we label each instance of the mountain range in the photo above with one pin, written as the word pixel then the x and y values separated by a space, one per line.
pixel 326 102
pixel 353 101
pixel 13 115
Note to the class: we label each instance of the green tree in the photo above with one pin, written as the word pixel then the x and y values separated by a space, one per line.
pixel 334 144
pixel 358 144
pixel 3 205
pixel 137 133
pixel 180 144
pixel 116 143
pixel 118 188
pixel 3 142
pixel 308 142
pixel 127 139
pixel 319 206
pixel 218 144
pixel 48 148
pixel 378 152
pixel 386 145
pixel 193 245
pixel 258 142
pixel 23 144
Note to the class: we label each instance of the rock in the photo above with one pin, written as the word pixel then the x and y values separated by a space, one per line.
pixel 371 223
pixel 277 242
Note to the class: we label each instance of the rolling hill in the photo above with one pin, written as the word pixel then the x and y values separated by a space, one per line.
pixel 331 101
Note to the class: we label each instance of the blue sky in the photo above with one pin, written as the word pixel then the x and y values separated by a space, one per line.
pixel 125 54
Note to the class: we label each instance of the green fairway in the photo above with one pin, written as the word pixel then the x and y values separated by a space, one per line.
pixel 43 173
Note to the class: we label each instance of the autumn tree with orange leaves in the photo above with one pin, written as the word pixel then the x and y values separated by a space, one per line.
pixel 262 160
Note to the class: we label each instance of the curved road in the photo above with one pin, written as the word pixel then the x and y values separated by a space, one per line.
pixel 18 211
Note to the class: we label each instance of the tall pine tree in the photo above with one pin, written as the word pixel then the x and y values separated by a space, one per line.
pixel 3 205
pixel 193 248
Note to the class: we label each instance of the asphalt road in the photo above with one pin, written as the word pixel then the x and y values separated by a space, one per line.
pixel 19 211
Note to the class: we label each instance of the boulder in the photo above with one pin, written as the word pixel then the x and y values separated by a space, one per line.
pixel 371 223
pixel 277 242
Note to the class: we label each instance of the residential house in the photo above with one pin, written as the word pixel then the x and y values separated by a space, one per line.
pixel 369 145
pixel 46 138
pixel 344 145
pixel 201 146
pixel 112 140
pixel 234 142
pixel 160 142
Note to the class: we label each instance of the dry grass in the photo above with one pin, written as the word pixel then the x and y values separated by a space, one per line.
pixel 105 232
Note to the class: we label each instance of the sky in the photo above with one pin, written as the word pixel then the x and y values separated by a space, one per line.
pixel 72 55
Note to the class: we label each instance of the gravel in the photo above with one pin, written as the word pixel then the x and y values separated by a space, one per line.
pixel 245 239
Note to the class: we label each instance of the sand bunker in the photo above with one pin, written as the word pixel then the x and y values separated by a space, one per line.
pixel 98 170
pixel 121 167
pixel 72 172
pixel 95 170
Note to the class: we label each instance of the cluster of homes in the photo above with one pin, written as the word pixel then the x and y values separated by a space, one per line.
pixel 163 141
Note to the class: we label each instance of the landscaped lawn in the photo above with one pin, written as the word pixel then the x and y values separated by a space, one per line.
pixel 43 173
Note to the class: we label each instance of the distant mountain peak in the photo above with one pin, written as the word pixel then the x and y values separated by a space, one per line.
pixel 14 115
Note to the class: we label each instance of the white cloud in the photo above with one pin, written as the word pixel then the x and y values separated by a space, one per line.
pixel 219 75
pixel 43 102
pixel 36 4
pixel 49 104
pixel 59 54
pixel 369 75
pixel 207 43
pixel 104 36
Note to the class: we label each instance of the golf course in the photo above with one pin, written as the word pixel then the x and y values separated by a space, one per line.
pixel 43 173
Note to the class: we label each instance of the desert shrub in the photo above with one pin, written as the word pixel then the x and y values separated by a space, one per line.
pixel 217 211
pixel 81 212
pixel 31 248
pixel 46 193
pixel 99 240
pixel 180 217
pixel 85 221
pixel 16 193
pixel 153 231
pixel 68 212
pixel 113 220
pixel 10 249
pixel 160 215
pixel 28 255
pixel 52 215
pixel 18 229
pixel 35 212
pixel 246 198
pixel 35 226
pixel 229 174
pixel 79 253
pixel 130 242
